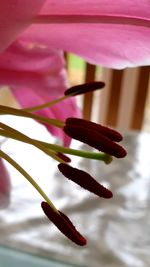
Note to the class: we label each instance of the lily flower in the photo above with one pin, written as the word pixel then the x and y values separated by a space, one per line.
pixel 111 33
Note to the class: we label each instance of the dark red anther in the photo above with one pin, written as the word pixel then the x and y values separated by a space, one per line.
pixel 95 139
pixel 63 157
pixel 106 131
pixel 64 224
pixel 85 180
pixel 84 88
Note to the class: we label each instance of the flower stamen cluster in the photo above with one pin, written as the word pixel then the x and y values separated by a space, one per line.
pixel 102 138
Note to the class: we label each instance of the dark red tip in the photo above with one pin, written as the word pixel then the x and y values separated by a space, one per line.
pixel 95 139
pixel 84 88
pixel 64 224
pixel 85 180
pixel 63 157
pixel 106 131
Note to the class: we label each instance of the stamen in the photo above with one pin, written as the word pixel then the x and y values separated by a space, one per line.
pixel 84 88
pixel 19 112
pixel 56 148
pixel 108 132
pixel 64 224
pixel 28 177
pixel 45 105
pixel 95 139
pixel 85 180
pixel 97 136
pixel 72 91
pixel 24 138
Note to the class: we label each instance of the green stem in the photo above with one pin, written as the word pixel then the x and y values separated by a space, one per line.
pixel 28 177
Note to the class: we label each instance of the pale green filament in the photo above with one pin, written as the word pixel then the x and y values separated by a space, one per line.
pixel 24 138
pixel 18 112
pixel 45 105
pixel 28 177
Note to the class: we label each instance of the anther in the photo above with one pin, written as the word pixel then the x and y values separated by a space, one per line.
pixel 85 180
pixel 95 139
pixel 63 157
pixel 64 224
pixel 84 88
pixel 108 132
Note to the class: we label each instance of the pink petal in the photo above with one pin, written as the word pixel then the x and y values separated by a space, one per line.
pixel 5 186
pixel 126 7
pixel 15 16
pixel 118 43
pixel 36 74
pixel 26 64
pixel 31 56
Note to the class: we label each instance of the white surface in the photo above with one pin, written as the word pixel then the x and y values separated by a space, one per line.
pixel 118 230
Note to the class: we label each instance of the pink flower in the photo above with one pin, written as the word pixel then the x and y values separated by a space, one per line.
pixel 111 33
pixel 4 186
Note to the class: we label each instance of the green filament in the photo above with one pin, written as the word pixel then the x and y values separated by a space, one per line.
pixel 56 148
pixel 24 138
pixel 45 105
pixel 28 177
pixel 19 112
